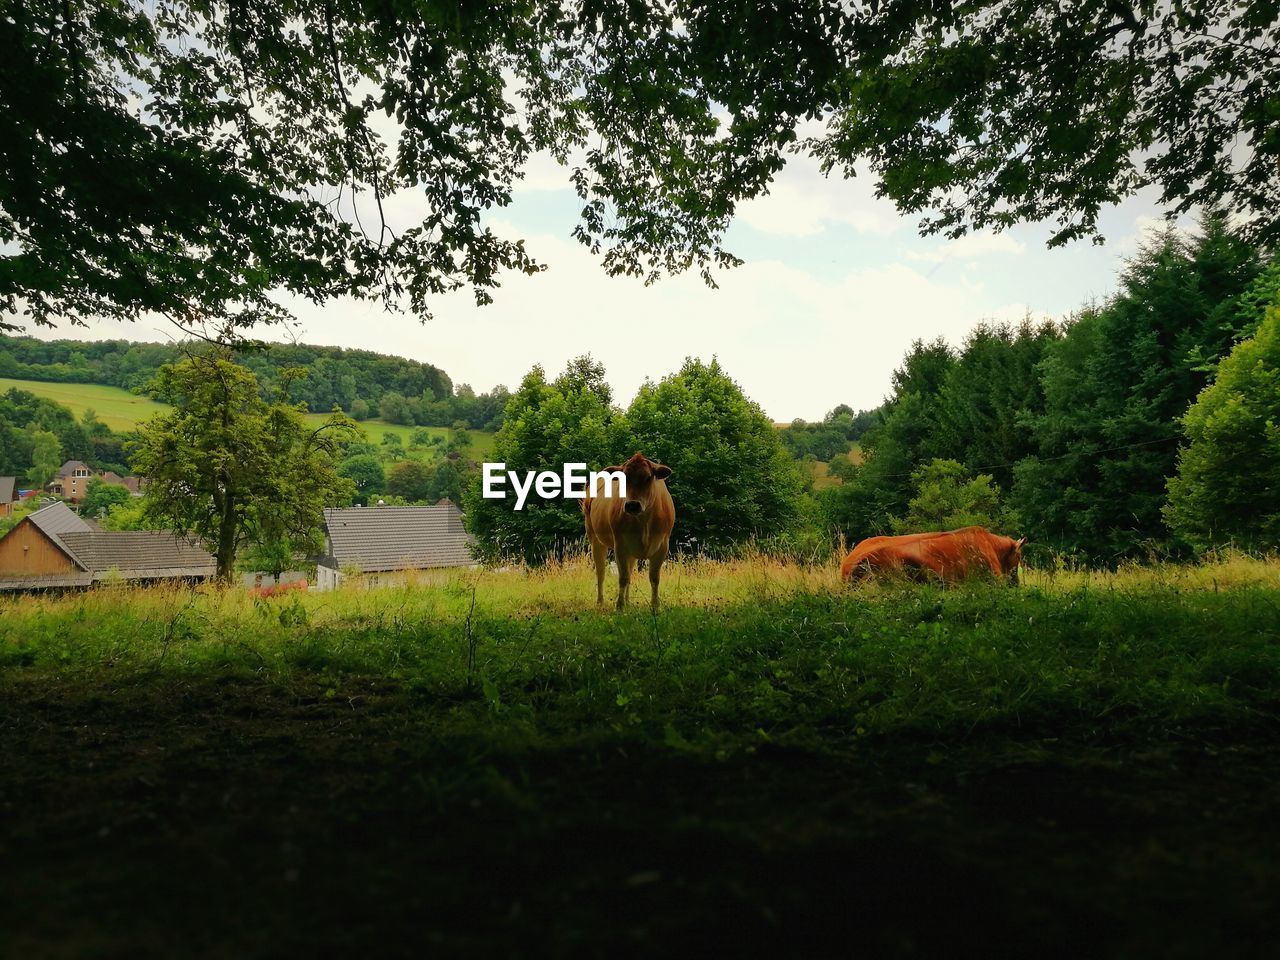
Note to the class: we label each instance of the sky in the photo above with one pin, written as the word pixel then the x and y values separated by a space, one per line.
pixel 834 288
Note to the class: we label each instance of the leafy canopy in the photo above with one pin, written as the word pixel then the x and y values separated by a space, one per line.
pixel 734 480
pixel 193 157
pixel 1227 488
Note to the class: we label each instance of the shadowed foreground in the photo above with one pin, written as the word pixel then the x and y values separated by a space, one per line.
pixel 892 773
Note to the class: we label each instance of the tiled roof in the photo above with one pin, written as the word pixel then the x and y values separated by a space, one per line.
pixel 70 467
pixel 398 538
pixel 139 554
pixel 8 489
pixel 134 554
pixel 57 519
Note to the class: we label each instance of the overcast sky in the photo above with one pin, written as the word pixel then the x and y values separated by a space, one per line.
pixel 835 287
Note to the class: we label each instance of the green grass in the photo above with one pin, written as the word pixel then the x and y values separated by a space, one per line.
pixel 772 759
pixel 123 411
pixel 118 409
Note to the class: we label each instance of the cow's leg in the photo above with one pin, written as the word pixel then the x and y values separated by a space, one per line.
pixel 655 572
pixel 625 566
pixel 600 554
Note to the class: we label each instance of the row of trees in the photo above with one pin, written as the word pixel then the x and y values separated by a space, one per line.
pixel 733 479
pixel 831 437
pixel 360 382
pixel 1079 426
pixel 405 481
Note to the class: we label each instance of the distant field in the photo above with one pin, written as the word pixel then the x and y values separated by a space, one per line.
pixel 118 409
pixel 821 472
pixel 121 410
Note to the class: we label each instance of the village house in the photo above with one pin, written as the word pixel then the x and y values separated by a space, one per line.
pixel 381 544
pixel 8 495
pixel 71 481
pixel 74 476
pixel 54 548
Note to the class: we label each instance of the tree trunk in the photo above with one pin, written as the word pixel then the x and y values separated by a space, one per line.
pixel 227 530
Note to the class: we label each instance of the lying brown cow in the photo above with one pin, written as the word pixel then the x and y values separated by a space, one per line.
pixel 951 555
pixel 637 527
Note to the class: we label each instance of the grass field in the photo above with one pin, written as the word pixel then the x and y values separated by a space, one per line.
pixel 481 764
pixel 118 409
pixel 121 410
pixel 821 472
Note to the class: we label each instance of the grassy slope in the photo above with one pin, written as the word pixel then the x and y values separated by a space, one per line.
pixel 1085 766
pixel 821 472
pixel 118 409
pixel 121 410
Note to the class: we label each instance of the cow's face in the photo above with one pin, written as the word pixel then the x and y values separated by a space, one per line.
pixel 642 474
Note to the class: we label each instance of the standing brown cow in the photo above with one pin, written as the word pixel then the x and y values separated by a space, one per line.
pixel 951 555
pixel 635 527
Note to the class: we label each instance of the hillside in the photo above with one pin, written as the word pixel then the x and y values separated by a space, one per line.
pixel 122 411
pixel 360 382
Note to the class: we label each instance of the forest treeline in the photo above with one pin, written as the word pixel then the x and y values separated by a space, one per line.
pixel 1072 433
pixel 37 435
pixel 358 382
pixel 1146 426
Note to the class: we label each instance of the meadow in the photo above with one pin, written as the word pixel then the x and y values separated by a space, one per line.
pixel 480 762
pixel 122 411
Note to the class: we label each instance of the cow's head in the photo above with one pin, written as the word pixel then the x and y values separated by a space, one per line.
pixel 642 476
pixel 1012 559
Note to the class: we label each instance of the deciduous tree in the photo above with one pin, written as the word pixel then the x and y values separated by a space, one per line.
pixel 254 147
pixel 733 479
pixel 231 468
pixel 1227 488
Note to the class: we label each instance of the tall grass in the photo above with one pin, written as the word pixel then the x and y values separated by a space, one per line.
pixel 744 652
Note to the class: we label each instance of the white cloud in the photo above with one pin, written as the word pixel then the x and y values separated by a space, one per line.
pixel 802 202
pixel 970 246
pixel 802 326
pixel 797 344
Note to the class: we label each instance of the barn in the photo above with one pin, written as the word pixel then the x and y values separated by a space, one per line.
pixel 53 548
pixel 381 544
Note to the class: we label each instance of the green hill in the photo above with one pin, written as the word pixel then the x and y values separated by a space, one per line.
pixel 122 411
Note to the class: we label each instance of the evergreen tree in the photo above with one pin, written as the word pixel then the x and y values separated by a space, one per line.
pixel 1115 389
pixel 908 434
pixel 991 395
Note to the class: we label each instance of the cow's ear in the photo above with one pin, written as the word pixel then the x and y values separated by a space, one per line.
pixel 611 470
pixel 661 472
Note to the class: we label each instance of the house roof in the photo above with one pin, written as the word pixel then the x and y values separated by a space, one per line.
pixel 139 554
pixel 111 476
pixel 71 466
pixel 132 554
pixel 398 538
pixel 57 519
pixel 8 489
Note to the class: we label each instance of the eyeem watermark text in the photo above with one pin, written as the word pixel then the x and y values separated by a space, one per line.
pixel 573 483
